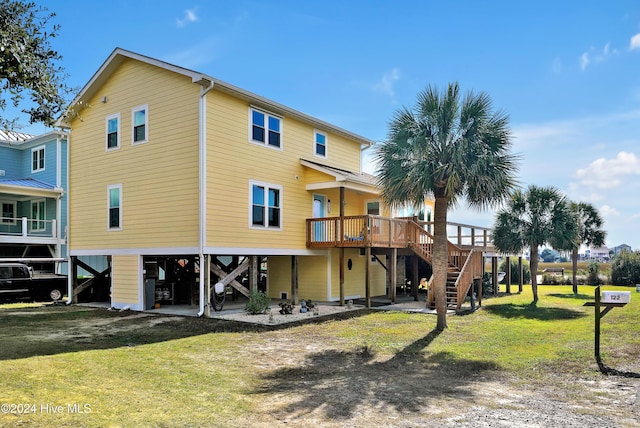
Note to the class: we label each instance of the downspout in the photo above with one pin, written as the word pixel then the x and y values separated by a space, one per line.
pixel 202 167
pixel 59 200
pixel 70 271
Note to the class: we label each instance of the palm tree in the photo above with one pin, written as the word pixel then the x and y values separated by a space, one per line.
pixel 589 233
pixel 446 147
pixel 530 219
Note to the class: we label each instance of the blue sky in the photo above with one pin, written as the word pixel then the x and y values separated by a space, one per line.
pixel 566 72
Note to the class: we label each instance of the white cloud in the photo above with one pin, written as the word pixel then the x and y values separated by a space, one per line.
pixel 556 66
pixel 635 42
pixel 584 60
pixel 609 173
pixel 594 55
pixel 189 17
pixel 608 211
pixel 385 85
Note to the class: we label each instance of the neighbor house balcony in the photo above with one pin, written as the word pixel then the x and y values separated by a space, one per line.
pixel 25 230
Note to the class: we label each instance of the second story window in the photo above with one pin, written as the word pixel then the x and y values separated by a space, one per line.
pixel 113 131
pixel 114 194
pixel 265 129
pixel 37 159
pixel 140 128
pixel 320 141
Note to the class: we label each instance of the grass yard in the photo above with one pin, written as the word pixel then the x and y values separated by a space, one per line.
pixel 74 366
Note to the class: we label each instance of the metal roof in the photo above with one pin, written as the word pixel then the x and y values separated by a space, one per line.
pixel 14 137
pixel 27 182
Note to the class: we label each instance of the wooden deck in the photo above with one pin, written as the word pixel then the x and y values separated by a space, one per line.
pixel 370 231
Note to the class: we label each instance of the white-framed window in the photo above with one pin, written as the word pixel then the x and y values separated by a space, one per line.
pixel 266 128
pixel 140 126
pixel 320 144
pixel 9 212
pixel 114 203
pixel 37 159
pixel 113 131
pixel 38 209
pixel 373 207
pixel 265 205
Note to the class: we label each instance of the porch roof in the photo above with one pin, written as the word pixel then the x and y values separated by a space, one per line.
pixel 361 182
pixel 29 187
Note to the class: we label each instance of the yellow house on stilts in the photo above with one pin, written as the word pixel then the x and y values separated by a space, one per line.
pixel 182 180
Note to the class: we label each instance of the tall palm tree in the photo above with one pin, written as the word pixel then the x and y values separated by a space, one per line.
pixel 530 219
pixel 589 233
pixel 447 147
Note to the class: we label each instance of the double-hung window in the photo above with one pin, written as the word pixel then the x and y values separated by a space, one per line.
pixel 37 159
pixel 266 206
pixel 265 128
pixel 9 212
pixel 320 142
pixel 139 118
pixel 113 131
pixel 114 196
pixel 38 215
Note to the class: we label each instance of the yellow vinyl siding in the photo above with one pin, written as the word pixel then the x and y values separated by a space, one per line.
pixel 232 161
pixel 159 178
pixel 312 277
pixel 354 279
pixel 125 279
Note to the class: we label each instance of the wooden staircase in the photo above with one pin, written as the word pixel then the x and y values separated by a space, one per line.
pixel 460 273
pixel 451 288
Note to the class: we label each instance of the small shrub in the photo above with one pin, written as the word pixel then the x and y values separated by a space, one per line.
pixel 594 274
pixel 487 285
pixel 258 303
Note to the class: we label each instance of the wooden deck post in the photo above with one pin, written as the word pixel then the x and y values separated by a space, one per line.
pixel 253 274
pixel 393 274
pixel 367 276
pixel 294 280
pixel 415 281
pixel 520 274
pixel 341 276
pixel 508 278
pixel 494 275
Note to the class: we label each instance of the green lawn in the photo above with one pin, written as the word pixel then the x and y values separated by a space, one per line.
pixel 121 369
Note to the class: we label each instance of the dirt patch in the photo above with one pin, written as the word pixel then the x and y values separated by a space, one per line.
pixel 308 376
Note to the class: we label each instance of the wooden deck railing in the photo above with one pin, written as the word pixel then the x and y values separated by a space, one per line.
pixel 357 231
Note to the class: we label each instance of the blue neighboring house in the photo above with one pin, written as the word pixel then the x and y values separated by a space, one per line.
pixel 33 198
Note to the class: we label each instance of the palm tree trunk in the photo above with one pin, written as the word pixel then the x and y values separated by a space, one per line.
pixel 574 266
pixel 440 260
pixel 534 273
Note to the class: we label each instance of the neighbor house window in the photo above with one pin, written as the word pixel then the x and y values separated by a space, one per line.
pixel 37 159
pixel 38 215
pixel 9 212
pixel 113 131
pixel 115 206
pixel 265 128
pixel 266 208
pixel 140 128
pixel 320 141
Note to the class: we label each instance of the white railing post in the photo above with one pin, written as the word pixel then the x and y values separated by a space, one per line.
pixel 25 226
pixel 54 228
